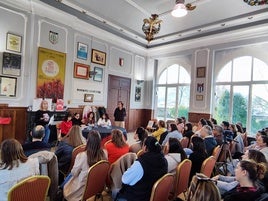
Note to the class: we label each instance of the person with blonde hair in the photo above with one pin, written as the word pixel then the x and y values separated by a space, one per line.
pixel 117 147
pixel 203 188
pixel 65 148
pixel 14 166
pixel 42 117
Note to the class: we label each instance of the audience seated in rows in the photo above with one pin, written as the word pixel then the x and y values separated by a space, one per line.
pixel 37 143
pixel 188 131
pixel 175 154
pixel 161 129
pixel 65 148
pixel 117 146
pixel 76 120
pixel 198 156
pixel 75 184
pixel 14 166
pixel 202 122
pixel 139 136
pixel 139 179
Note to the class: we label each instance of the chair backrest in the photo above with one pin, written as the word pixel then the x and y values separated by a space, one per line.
pixel 96 179
pixel 31 188
pixel 118 168
pixel 140 153
pixel 76 151
pixel 184 142
pixel 216 152
pixel 182 177
pixel 162 187
pixel 208 166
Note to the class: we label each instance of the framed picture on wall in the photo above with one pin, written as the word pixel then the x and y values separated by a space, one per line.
pixel 11 64
pixel 199 97
pixel 81 71
pixel 82 51
pixel 98 57
pixel 98 74
pixel 200 72
pixel 8 86
pixel 88 97
pixel 13 42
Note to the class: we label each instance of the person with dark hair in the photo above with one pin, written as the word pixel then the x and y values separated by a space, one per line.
pixel 104 120
pixel 202 122
pixel 175 154
pixel 140 135
pixel 66 124
pixel 214 121
pixel 139 179
pixel 119 115
pixel 14 166
pixel 37 143
pixel 198 156
pixel 161 129
pixel 75 186
pixel 218 134
pixel 117 147
pixel 247 172
pixel 76 120
pixel 173 132
pixel 188 131
pixel 91 119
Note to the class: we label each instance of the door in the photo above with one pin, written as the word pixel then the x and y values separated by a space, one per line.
pixel 118 90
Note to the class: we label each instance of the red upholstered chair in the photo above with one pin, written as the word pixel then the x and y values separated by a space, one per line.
pixel 208 166
pixel 162 187
pixel 96 180
pixel 182 176
pixel 31 188
pixel 76 151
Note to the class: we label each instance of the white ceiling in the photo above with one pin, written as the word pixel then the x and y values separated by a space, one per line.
pixel 124 18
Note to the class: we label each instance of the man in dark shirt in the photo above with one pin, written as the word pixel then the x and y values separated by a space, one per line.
pixel 37 144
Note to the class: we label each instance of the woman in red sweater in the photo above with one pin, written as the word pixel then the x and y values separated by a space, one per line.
pixel 66 124
pixel 117 147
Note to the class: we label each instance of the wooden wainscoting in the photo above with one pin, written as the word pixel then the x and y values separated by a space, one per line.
pixel 17 127
pixel 195 117
pixel 139 117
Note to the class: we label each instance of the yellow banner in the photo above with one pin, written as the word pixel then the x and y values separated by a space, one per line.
pixel 50 74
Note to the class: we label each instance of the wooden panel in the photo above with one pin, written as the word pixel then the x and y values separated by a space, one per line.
pixel 195 117
pixel 139 117
pixel 17 128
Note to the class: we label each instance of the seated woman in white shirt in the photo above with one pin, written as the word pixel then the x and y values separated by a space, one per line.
pixel 104 121
pixel 15 166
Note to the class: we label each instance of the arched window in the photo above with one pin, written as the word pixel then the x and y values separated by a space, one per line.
pixel 241 93
pixel 173 93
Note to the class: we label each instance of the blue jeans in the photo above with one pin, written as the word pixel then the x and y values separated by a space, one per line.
pixel 47 134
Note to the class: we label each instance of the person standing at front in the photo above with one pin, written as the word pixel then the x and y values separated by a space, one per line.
pixel 119 115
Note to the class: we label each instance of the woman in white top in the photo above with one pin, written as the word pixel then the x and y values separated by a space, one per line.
pixel 104 121
pixel 15 166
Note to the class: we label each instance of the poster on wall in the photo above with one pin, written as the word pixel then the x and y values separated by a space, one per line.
pixel 138 94
pixel 50 74
pixel 11 64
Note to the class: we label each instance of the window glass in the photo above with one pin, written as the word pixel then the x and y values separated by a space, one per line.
pixel 225 73
pixel 242 69
pixel 260 70
pixel 163 78
pixel 184 76
pixel 172 75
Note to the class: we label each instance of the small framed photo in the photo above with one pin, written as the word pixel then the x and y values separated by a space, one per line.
pixel 98 74
pixel 200 72
pixel 199 97
pixel 13 42
pixel 82 51
pixel 11 64
pixel 88 97
pixel 81 71
pixel 8 86
pixel 98 57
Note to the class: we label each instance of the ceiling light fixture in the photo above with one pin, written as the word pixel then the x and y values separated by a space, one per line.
pixel 256 2
pixel 151 27
pixel 179 9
